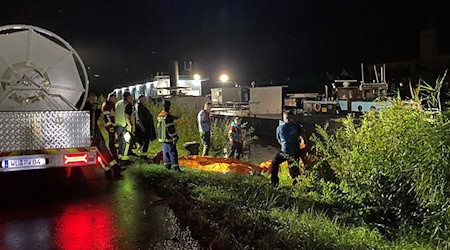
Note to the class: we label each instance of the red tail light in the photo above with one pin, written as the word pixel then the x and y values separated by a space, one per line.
pixel 71 159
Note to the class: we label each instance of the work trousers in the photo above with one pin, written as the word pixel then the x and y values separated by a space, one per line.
pixel 124 146
pixel 108 161
pixel 112 143
pixel 145 144
pixel 170 155
pixel 236 150
pixel 293 161
pixel 206 142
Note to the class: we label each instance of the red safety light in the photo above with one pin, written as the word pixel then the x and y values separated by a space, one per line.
pixel 70 159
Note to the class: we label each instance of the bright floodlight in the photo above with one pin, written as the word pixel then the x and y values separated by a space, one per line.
pixel 197 77
pixel 224 78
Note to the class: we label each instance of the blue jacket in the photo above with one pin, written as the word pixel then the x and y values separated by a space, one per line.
pixel 288 135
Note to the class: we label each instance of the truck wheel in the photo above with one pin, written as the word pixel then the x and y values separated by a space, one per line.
pixel 109 174
pixel 113 173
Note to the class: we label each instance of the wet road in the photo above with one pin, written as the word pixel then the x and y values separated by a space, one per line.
pixel 40 210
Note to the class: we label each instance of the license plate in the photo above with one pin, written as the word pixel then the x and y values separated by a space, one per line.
pixel 32 162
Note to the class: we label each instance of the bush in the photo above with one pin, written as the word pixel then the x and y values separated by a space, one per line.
pixel 392 168
pixel 220 142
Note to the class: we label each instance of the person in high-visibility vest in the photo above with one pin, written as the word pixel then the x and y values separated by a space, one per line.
pixel 167 135
pixel 124 110
pixel 107 124
pixel 108 162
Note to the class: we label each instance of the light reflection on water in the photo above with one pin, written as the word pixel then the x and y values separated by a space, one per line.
pixel 85 226
pixel 120 218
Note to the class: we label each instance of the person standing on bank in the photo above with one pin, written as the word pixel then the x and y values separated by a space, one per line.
pixel 289 137
pixel 97 139
pixel 167 135
pixel 204 121
pixel 235 137
pixel 109 128
pixel 124 110
pixel 145 129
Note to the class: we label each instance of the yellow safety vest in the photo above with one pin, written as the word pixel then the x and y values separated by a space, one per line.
pixel 162 128
pixel 120 113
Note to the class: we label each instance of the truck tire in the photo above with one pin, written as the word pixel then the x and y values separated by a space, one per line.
pixel 109 174
pixel 113 173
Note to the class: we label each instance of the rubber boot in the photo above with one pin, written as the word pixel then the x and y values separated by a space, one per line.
pixel 177 168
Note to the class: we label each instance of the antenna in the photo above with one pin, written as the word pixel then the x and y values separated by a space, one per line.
pixel 190 66
pixel 362 72
pixel 376 72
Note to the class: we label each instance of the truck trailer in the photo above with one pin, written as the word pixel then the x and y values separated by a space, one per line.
pixel 44 86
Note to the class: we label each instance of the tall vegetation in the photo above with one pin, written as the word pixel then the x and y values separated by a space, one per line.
pixel 392 167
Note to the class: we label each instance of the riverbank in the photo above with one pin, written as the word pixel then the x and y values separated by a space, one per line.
pixel 238 212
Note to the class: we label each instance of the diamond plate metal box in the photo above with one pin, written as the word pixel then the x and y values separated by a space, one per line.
pixel 21 131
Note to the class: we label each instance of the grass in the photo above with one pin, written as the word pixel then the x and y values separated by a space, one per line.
pixel 246 212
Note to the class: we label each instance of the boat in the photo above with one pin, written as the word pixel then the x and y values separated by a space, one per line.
pixel 347 96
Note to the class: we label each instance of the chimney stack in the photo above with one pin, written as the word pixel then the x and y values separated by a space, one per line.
pixel 174 74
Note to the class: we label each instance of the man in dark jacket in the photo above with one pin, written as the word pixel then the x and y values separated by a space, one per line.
pixel 289 136
pixel 145 129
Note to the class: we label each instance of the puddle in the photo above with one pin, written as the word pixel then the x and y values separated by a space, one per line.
pixel 117 216
pixel 261 153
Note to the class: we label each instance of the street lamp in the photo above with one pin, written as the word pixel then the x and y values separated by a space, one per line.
pixel 197 77
pixel 224 78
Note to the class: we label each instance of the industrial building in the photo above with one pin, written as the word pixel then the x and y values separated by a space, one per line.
pixel 166 85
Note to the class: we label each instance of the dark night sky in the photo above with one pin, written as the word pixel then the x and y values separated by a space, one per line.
pixel 258 41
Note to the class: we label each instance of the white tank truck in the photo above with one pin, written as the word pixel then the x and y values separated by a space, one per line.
pixel 43 88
